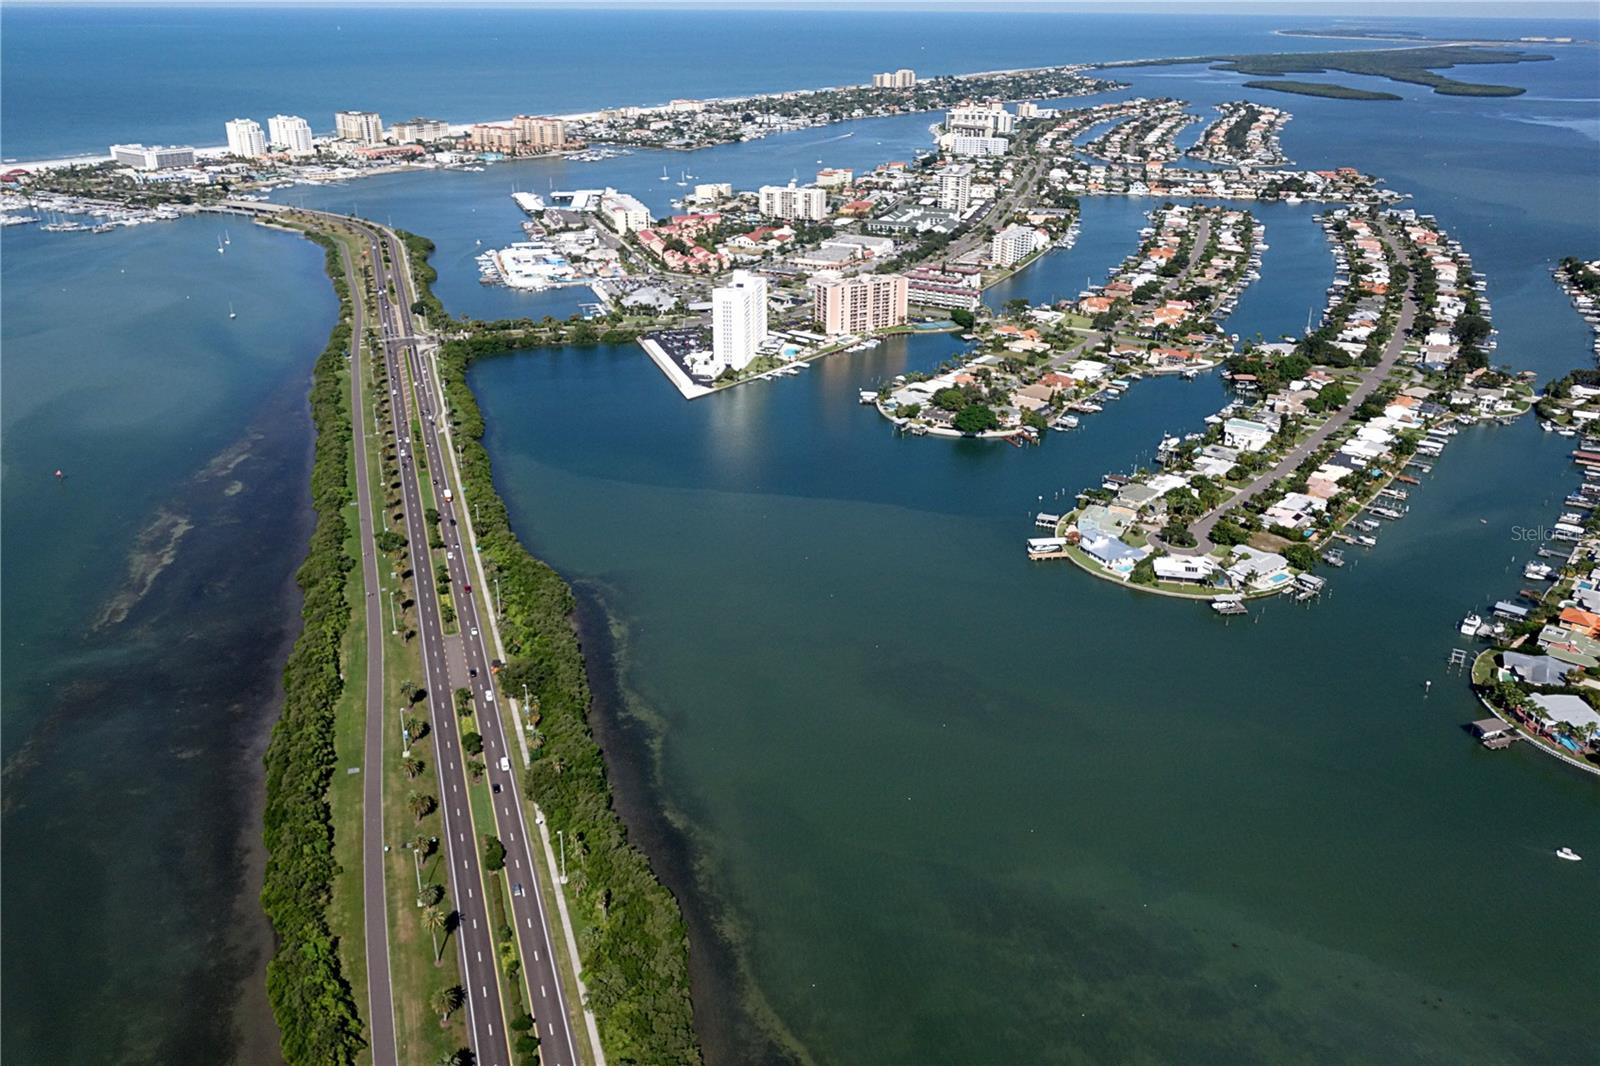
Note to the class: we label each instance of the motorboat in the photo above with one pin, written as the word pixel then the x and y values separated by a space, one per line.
pixel 1568 854
pixel 1537 571
pixel 1470 625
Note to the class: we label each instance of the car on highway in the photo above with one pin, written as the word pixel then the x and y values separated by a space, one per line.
pixel 517 889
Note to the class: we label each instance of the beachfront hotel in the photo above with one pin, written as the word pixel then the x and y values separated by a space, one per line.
pixel 858 305
pixel 420 131
pixel 290 133
pixel 245 138
pixel 904 78
pixel 539 132
pixel 152 157
pixel 738 319
pixel 362 127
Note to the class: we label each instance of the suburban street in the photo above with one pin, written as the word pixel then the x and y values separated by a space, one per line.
pixel 380 993
pixel 1297 455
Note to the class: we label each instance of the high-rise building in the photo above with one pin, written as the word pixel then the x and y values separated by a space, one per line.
pixel 623 212
pixel 738 319
pixel 493 137
pixel 904 78
pixel 860 304
pixel 536 131
pixel 967 144
pixel 979 120
pixel 245 138
pixel 1015 243
pixel 794 202
pixel 955 187
pixel 362 127
pixel 152 157
pixel 420 131
pixel 290 133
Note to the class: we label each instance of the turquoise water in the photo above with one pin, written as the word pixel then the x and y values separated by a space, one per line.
pixel 147 605
pixel 950 805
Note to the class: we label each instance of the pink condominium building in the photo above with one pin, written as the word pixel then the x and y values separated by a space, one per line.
pixel 859 304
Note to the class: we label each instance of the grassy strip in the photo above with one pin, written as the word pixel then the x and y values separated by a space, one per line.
pixel 311 998
pixel 634 943
pixel 423 275
pixel 1317 88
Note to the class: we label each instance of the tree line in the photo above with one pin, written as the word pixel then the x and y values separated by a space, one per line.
pixel 311 999
pixel 633 941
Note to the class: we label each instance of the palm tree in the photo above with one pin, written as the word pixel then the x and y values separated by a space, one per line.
pixel 450 1058
pixel 433 920
pixel 412 766
pixel 447 1001
pixel 419 804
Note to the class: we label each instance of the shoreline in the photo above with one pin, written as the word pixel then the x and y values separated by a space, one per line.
pixel 215 151
pixel 728 1030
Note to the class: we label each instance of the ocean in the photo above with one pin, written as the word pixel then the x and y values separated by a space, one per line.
pixel 922 799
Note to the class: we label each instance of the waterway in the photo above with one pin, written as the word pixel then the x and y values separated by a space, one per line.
pixel 945 803
pixel 148 605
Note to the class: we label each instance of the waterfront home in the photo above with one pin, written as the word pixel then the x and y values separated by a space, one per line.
pixel 1571 711
pixel 1137 497
pixel 1569 647
pixel 1257 570
pixel 1186 569
pixel 1580 621
pixel 1296 510
pixel 1246 435
pixel 1323 482
pixel 1536 669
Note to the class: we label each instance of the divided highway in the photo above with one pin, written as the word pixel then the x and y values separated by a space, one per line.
pixel 474 939
pixel 546 997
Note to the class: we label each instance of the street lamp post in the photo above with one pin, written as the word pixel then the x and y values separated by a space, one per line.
pixel 561 838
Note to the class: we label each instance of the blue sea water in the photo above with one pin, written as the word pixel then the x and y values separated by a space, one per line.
pixel 948 804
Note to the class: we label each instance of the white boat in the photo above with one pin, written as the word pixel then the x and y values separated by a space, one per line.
pixel 664 174
pixel 231 312
pixel 1537 571
pixel 1470 625
pixel 1568 854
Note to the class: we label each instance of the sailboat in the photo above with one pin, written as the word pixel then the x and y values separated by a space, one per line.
pixel 231 312
pixel 664 174
pixel 220 248
pixel 225 238
pixel 684 180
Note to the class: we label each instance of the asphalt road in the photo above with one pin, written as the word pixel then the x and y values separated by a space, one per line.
pixel 1297 455
pixel 486 1020
pixel 543 985
pixel 380 993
